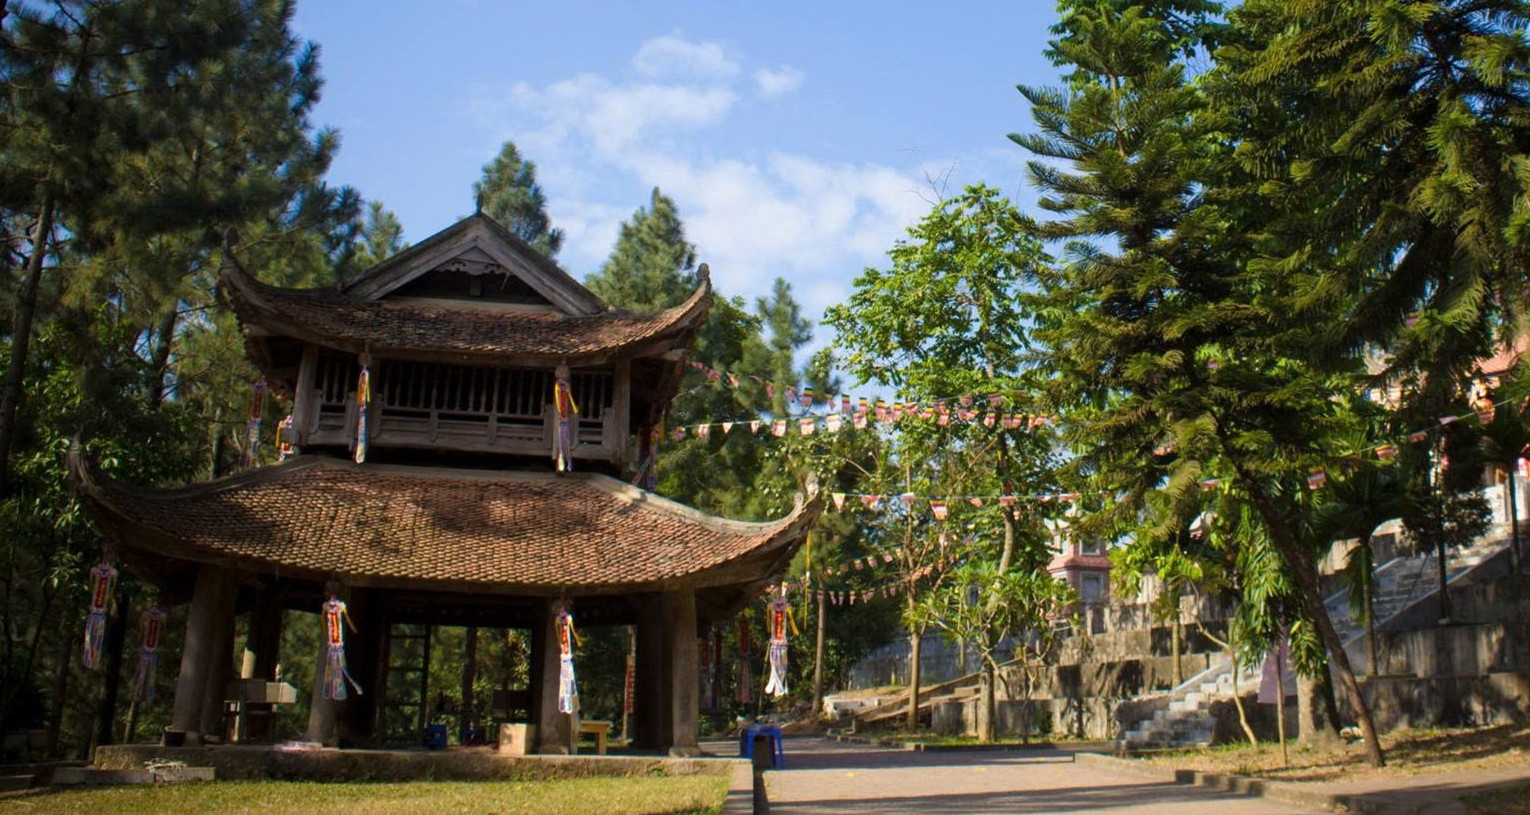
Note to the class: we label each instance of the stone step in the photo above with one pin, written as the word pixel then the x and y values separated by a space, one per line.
pixel 11 783
pixel 94 777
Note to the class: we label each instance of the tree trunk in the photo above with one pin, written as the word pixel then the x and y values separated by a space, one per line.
pixel 159 357
pixel 1367 590
pixel 21 334
pixel 912 720
pixel 1444 583
pixel 818 661
pixel 1514 555
pixel 1008 556
pixel 1248 731
pixel 1280 706
pixel 60 684
pixel 116 640
pixel 985 710
pixel 1305 573
pixel 1175 647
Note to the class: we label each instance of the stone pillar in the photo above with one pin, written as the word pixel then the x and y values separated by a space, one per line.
pixel 212 601
pixel 650 713
pixel 680 676
pixel 556 732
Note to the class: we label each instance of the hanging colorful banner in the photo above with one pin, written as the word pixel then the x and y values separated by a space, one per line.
pixel 336 677
pixel 363 400
pixel 568 415
pixel 568 690
pixel 103 579
pixel 704 673
pixel 148 654
pixel 252 436
pixel 779 616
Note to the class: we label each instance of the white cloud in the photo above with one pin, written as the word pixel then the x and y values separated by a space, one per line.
pixel 674 56
pixel 755 214
pixel 772 83
pixel 615 116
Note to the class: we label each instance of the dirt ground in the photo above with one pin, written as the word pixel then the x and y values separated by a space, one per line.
pixel 1408 752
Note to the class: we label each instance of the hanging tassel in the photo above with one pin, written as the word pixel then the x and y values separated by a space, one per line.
pixel 257 406
pixel 363 398
pixel 102 580
pixel 780 617
pixel 568 412
pixel 284 439
pixel 568 690
pixel 148 654
pixel 336 677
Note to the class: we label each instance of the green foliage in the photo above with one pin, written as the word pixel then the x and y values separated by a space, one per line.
pixel 652 266
pixel 382 236
pixel 508 192
pixel 1401 186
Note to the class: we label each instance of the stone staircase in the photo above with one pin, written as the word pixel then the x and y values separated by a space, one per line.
pixel 1401 584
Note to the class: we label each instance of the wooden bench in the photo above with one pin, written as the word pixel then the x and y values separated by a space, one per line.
pixel 597 729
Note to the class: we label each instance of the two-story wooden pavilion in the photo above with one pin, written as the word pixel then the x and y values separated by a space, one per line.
pixel 457 515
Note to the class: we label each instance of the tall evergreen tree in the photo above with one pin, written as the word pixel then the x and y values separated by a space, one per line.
pixel 653 266
pixel 509 193
pixel 1172 357
pixel 1402 183
pixel 382 236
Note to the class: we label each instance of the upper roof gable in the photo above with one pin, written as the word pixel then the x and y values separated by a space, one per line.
pixel 477 244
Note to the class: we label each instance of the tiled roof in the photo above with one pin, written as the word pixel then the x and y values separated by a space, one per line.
pixel 332 318
pixel 414 525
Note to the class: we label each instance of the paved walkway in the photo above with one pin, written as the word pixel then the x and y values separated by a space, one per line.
pixel 823 777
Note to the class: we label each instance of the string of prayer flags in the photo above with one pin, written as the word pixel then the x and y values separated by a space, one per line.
pixel 148 654
pixel 938 507
pixel 1317 480
pixel 103 578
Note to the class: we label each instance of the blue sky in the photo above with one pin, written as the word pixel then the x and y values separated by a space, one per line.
pixel 797 139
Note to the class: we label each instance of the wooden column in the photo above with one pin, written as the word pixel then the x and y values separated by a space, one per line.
pixel 650 713
pixel 214 592
pixel 556 732
pixel 323 714
pixel 680 679
pixel 262 652
pixel 356 717
pixel 469 675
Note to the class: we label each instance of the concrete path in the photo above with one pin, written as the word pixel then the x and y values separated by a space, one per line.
pixel 823 777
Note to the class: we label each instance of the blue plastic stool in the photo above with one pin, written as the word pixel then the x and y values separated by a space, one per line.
pixel 751 732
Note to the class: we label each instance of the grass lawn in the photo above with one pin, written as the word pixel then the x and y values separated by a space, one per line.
pixel 1408 752
pixel 674 794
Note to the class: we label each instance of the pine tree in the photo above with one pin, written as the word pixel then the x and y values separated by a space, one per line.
pixel 382 236
pixel 509 193
pixel 652 266
pixel 1172 356
pixel 1402 183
